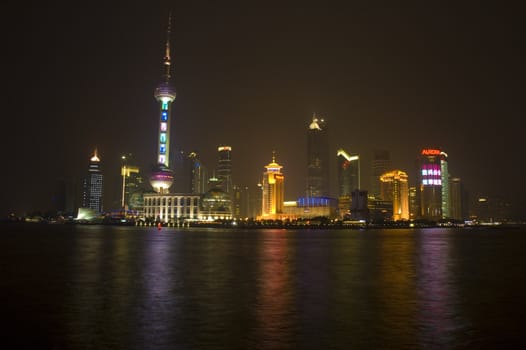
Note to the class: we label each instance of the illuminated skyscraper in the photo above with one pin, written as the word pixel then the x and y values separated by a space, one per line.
pixel 394 187
pixel 430 184
pixel 348 180
pixel 380 164
pixel 93 185
pixel 224 168
pixel 445 185
pixel 348 173
pixel 273 190
pixel 162 178
pixel 132 184
pixel 317 158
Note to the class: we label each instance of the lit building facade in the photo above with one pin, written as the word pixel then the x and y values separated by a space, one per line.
pixel 132 185
pixel 444 176
pixel 215 205
pixel 430 184
pixel 273 191
pixel 170 208
pixel 317 158
pixel 394 187
pixel 162 178
pixel 93 186
pixel 310 207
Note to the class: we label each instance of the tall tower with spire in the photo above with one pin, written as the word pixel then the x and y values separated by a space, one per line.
pixel 162 177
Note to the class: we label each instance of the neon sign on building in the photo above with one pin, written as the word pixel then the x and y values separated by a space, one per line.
pixel 430 152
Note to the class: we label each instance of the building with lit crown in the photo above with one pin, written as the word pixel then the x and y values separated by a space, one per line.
pixel 348 179
pixel 394 187
pixel 273 191
pixel 224 168
pixel 317 158
pixel 93 186
pixel 430 184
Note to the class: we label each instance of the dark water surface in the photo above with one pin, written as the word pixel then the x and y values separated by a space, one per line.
pixel 98 287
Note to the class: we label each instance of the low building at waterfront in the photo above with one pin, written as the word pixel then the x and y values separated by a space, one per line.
pixel 171 207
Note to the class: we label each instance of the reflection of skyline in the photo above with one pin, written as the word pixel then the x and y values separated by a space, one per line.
pixel 397 273
pixel 436 292
pixel 102 285
pixel 276 294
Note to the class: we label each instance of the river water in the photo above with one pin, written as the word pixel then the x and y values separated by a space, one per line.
pixel 110 287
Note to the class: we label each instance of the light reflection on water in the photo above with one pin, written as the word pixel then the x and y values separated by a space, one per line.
pixel 138 288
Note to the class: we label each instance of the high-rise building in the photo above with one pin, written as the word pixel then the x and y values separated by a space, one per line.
pixel 348 180
pixel 224 168
pixel 380 164
pixel 93 185
pixel 162 177
pixel 132 184
pixel 414 206
pixel 430 184
pixel 273 190
pixel 183 173
pixel 317 158
pixel 394 187
pixel 348 173
pixel 198 174
pixel 444 176
pixel 455 199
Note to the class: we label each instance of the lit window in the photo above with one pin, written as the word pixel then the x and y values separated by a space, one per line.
pixel 162 149
pixel 424 182
pixel 162 159
pixel 165 105
pixel 424 172
pixel 164 116
pixel 162 137
pixel 163 126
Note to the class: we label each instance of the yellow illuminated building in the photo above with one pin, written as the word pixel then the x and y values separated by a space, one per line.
pixel 394 187
pixel 273 191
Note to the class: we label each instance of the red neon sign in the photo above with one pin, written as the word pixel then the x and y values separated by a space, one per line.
pixel 430 152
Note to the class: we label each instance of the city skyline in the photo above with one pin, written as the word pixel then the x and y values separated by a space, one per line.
pixel 258 95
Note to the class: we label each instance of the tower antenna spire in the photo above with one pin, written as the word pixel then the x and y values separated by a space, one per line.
pixel 167 58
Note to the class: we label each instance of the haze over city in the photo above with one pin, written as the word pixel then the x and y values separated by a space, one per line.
pixel 251 75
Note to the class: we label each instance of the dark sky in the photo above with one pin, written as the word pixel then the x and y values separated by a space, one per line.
pixel 250 75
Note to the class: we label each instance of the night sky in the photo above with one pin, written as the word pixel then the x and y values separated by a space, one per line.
pixel 250 75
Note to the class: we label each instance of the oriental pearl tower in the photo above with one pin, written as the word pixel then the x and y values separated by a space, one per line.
pixel 162 176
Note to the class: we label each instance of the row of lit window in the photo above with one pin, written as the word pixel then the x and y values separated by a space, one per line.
pixel 169 211
pixel 426 172
pixel 178 201
pixel 427 182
